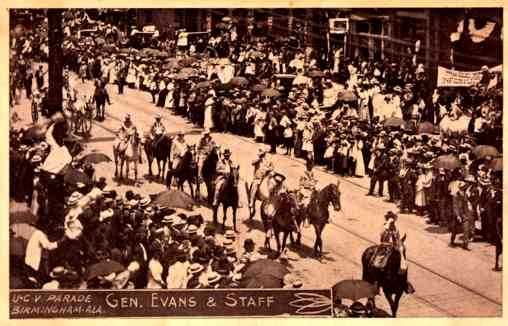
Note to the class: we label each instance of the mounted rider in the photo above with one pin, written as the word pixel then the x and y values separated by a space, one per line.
pixel 157 130
pixel 224 167
pixel 389 241
pixel 178 150
pixel 205 146
pixel 307 188
pixel 263 167
pixel 124 133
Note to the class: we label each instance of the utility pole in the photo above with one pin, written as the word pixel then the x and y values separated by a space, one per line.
pixel 55 61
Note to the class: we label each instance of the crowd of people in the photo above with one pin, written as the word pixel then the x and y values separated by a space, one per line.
pixel 438 150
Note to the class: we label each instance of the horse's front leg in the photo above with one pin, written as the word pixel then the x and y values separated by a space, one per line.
pixel 234 219
pixel 158 169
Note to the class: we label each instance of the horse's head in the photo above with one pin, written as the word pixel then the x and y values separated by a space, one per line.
pixel 235 174
pixel 334 195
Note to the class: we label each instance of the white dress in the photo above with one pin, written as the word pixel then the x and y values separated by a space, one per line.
pixel 356 153
pixel 208 120
pixel 259 124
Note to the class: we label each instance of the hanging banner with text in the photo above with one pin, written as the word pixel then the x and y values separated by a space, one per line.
pixel 186 303
pixel 455 78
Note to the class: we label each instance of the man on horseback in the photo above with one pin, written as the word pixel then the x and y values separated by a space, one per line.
pixel 224 167
pixel 157 130
pixel 124 134
pixel 307 188
pixel 205 146
pixel 178 150
pixel 389 241
pixel 263 166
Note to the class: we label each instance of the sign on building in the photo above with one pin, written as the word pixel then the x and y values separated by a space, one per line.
pixel 339 25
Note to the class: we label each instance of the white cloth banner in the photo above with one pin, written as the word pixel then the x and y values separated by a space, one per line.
pixel 455 78
pixel 58 157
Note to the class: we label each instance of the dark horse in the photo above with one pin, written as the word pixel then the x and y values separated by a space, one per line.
pixel 317 212
pixel 228 197
pixel 160 151
pixel 392 278
pixel 208 172
pixel 284 219
pixel 186 171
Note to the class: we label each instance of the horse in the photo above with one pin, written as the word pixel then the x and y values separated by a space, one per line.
pixel 228 197
pixel 131 153
pixel 284 220
pixel 393 278
pixel 317 212
pixel 160 151
pixel 208 172
pixel 186 171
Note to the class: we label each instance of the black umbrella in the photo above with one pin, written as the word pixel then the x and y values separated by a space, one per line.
pixel 74 176
pixel 104 268
pixel 175 199
pixel 94 158
pixel 354 290
pixel 262 282
pixel 266 267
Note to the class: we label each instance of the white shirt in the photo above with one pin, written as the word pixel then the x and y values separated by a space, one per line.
pixel 177 275
pixel 154 275
pixel 37 242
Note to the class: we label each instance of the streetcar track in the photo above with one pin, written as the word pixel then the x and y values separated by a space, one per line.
pixel 357 235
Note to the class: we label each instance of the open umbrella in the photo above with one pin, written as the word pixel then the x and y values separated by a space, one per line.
pixel 203 84
pixel 496 164
pixel 94 158
pixel 188 61
pixel 481 151
pixel 240 81
pixel 354 290
pixel 74 176
pixel 262 282
pixel 347 96
pixel 393 122
pixel 174 199
pixel 20 213
pixel 425 128
pixel 266 267
pixel 104 268
pixel 258 88
pixel 181 76
pixel 187 70
pixel 270 92
pixel 448 162
pixel 100 41
pixel 34 133
pixel 316 73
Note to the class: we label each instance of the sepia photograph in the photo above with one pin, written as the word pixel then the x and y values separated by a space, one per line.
pixel 256 162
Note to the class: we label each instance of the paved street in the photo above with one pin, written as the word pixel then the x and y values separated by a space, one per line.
pixel 448 281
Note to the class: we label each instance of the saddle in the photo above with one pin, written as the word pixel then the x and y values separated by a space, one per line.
pixel 380 257
pixel 122 146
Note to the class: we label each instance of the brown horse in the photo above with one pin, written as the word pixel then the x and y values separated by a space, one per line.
pixel 393 278
pixel 160 150
pixel 228 197
pixel 317 212
pixel 186 171
pixel 284 220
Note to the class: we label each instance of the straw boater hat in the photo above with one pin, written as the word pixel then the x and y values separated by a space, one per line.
pixel 213 278
pixel 192 229
pixel 144 202
pixel 230 234
pixel 168 219
pixel 196 268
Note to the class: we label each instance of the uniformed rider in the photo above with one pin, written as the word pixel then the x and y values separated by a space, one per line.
pixel 224 166
pixel 307 187
pixel 157 130
pixel 263 166
pixel 205 146
pixel 389 241
pixel 124 133
pixel 178 149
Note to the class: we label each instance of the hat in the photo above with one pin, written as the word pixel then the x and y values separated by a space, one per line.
pixel 390 215
pixel 469 178
pixel 196 268
pixel 237 277
pixel 213 277
pixel 226 151
pixel 58 272
pixel 261 152
pixel 205 132
pixel 80 185
pixel 230 234
pixel 127 117
pixel 149 210
pixel 43 145
pixel 133 202
pixel 192 229
pixel 144 202
pixel 357 308
pixel 230 250
pixel 168 219
pixel 103 215
pixel 227 242
pixel 158 116
pixel 297 284
pixel 23 148
pixel 178 221
pixel 36 159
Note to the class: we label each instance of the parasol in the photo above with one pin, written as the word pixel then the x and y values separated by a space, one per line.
pixel 258 88
pixel 203 84
pixel 393 122
pixel 174 199
pixel 266 267
pixel 104 268
pixel 347 96
pixel 482 151
pixel 20 213
pixel 262 282
pixel 448 162
pixel 354 290
pixel 270 92
pixel 496 164
pixel 240 81
pixel 94 158
pixel 316 73
pixel 74 176
pixel 426 128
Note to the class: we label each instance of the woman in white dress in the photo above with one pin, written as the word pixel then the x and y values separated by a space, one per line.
pixel 357 155
pixel 423 182
pixel 170 102
pixel 308 137
pixel 208 116
pixel 259 125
